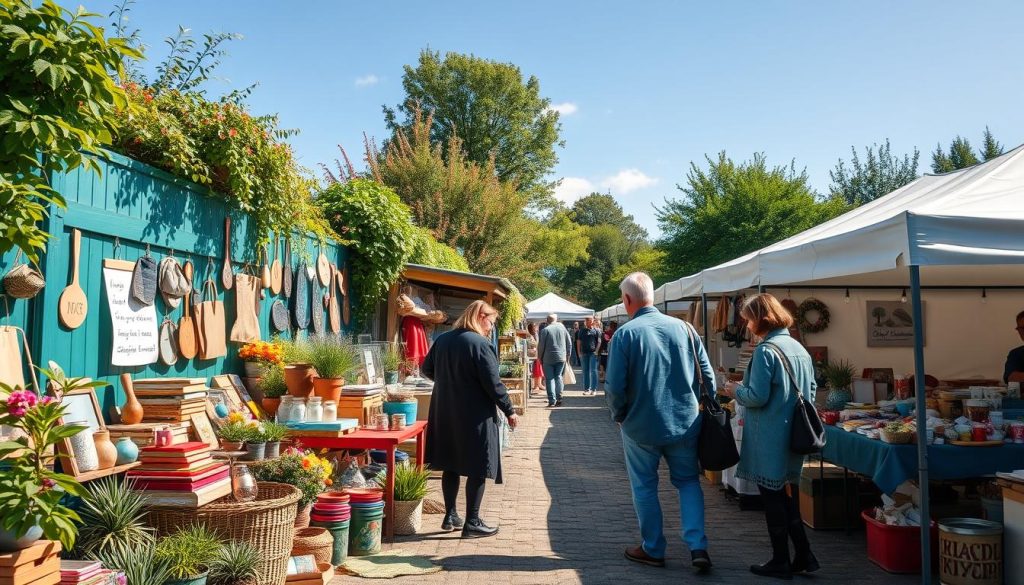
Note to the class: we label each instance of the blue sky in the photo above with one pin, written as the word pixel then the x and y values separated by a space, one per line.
pixel 645 87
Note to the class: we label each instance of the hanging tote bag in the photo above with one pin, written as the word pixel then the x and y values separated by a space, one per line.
pixel 211 323
pixel 716 446
pixel 23 281
pixel 807 435
pixel 11 365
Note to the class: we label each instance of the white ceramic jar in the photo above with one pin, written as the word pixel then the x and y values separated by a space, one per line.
pixel 314 409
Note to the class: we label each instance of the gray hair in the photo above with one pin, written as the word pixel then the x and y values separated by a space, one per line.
pixel 552 318
pixel 639 287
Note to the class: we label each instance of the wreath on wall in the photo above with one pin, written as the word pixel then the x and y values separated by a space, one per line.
pixel 812 305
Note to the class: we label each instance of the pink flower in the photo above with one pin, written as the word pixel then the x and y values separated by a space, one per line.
pixel 46 400
pixel 20 401
pixel 121 579
pixel 48 484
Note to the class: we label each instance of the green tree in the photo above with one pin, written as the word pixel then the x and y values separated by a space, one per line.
pixel 426 250
pixel 493 111
pixel 961 155
pixel 648 259
pixel 990 148
pixel 588 279
pixel 878 174
pixel 730 209
pixel 602 208
pixel 57 106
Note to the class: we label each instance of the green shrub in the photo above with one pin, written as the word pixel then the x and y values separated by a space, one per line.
pixel 236 564
pixel 410 483
pixel 332 357
pixel 190 551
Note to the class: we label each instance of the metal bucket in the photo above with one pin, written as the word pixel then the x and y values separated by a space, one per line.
pixel 970 552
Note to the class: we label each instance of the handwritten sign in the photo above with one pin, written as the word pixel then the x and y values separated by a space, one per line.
pixel 135 325
pixel 890 324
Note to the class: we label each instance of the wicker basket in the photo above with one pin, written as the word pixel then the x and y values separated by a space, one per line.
pixel 408 517
pixel 901 438
pixel 314 541
pixel 267 523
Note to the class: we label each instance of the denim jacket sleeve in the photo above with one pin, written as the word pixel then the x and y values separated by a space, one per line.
pixel 616 380
pixel 756 388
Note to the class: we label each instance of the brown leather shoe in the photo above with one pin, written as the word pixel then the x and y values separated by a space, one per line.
pixel 637 554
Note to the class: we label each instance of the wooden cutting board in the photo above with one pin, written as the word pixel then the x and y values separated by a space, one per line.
pixel 287 278
pixel 323 268
pixel 275 269
pixel 187 347
pixel 227 276
pixel 73 303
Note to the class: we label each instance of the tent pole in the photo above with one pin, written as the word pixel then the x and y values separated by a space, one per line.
pixel 922 417
pixel 704 319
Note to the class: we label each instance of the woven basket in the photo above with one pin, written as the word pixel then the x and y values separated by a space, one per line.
pixel 896 438
pixel 408 517
pixel 313 541
pixel 267 523
pixel 302 516
pixel 23 281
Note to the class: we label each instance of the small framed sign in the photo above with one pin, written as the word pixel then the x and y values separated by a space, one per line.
pixel 890 324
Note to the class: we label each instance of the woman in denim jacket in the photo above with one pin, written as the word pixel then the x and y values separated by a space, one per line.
pixel 766 459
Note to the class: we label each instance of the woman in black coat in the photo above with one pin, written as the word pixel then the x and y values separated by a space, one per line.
pixel 462 432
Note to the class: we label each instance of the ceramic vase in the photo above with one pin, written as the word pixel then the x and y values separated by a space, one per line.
pixel 131 412
pixel 837 398
pixel 231 445
pixel 270 406
pixel 106 452
pixel 390 377
pixel 127 451
pixel 328 388
pixel 299 379
pixel 256 451
pixel 84 450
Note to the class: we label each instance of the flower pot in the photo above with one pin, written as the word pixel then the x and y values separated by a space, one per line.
pixel 273 450
pixel 197 580
pixel 84 449
pixel 9 542
pixel 270 406
pixel 302 517
pixel 256 451
pixel 253 369
pixel 408 517
pixel 231 445
pixel 837 398
pixel 127 451
pixel 390 377
pixel 328 388
pixel 299 379
pixel 106 452
pixel 409 409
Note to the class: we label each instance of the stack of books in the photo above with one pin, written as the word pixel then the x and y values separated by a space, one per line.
pixel 180 475
pixel 83 573
pixel 171 399
pixel 362 389
pixel 143 434
pixel 38 564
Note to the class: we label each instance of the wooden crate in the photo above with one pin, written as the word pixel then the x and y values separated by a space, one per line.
pixel 360 407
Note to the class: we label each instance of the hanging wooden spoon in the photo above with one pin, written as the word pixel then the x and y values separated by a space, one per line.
pixel 323 267
pixel 334 310
pixel 286 278
pixel 265 273
pixel 275 268
pixel 186 327
pixel 73 303
pixel 227 277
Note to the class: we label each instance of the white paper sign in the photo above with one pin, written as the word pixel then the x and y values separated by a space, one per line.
pixel 371 371
pixel 135 326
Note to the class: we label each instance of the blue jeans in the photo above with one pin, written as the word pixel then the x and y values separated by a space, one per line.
pixel 553 381
pixel 642 466
pixel 589 371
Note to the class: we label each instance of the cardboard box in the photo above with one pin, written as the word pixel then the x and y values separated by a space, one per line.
pixel 821 499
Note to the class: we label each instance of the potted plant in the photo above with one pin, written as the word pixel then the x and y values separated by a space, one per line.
pixel 190 552
pixel 839 376
pixel 233 434
pixel 255 442
pixel 236 564
pixel 112 514
pixel 298 372
pixel 332 359
pixel 257 354
pixel 400 402
pixel 305 470
pixel 392 360
pixel 273 433
pixel 31 506
pixel 137 563
pixel 410 489
pixel 273 387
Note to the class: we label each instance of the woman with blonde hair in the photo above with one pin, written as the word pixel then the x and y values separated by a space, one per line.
pixel 462 428
pixel 779 369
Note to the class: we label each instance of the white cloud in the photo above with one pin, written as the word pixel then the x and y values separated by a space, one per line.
pixel 564 108
pixel 628 180
pixel 367 80
pixel 573 188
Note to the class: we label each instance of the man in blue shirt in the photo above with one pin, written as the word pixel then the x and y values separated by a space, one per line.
pixel 652 389
pixel 588 344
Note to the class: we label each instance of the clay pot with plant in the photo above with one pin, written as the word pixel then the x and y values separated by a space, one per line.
pixel 233 435
pixel 272 433
pixel 839 376
pixel 332 358
pixel 273 387
pixel 392 360
pixel 190 552
pixel 298 371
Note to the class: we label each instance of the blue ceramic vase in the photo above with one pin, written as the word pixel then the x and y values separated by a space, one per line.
pixel 127 451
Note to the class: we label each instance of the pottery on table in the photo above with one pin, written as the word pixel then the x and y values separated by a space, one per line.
pixel 231 445
pixel 837 398
pixel 106 452
pixel 299 379
pixel 127 451
pixel 328 388
pixel 272 450
pixel 84 449
pixel 256 451
pixel 270 406
pixel 131 412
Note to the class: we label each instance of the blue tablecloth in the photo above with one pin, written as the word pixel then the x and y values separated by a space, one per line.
pixel 890 465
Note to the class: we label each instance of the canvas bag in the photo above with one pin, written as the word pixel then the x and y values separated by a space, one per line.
pixel 716 446
pixel 210 324
pixel 807 435
pixel 11 372
pixel 568 376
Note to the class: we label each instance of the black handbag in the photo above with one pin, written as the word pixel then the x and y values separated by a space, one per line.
pixel 807 435
pixel 716 446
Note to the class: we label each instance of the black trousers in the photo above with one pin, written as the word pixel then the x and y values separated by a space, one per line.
pixel 474 493
pixel 782 514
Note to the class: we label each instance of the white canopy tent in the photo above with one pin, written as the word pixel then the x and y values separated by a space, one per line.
pixel 539 309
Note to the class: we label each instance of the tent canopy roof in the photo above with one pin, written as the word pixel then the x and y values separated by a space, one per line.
pixel 551 303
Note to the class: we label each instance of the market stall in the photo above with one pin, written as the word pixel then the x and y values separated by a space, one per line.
pixel 567 311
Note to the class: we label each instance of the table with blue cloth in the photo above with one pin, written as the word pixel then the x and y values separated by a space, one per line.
pixel 890 465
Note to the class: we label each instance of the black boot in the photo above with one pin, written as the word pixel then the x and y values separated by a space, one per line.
pixel 805 563
pixel 779 566
pixel 475 528
pixel 452 521
pixel 803 558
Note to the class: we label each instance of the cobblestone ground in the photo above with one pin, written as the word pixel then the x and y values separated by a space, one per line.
pixel 566 515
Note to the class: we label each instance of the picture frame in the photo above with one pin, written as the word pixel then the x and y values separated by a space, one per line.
pixel 236 392
pixel 881 376
pixel 83 407
pixel 204 431
pixel 891 324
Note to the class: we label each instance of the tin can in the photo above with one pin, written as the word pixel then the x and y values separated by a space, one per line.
pixel 398 421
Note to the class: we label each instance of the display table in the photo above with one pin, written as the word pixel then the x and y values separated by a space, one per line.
pixel 890 465
pixel 369 439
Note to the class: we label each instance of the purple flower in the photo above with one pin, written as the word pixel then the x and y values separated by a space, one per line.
pixel 121 579
pixel 20 401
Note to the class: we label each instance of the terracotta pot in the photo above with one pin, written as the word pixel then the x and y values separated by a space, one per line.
pixel 302 517
pixel 131 412
pixel 299 379
pixel 253 369
pixel 231 445
pixel 328 388
pixel 106 451
pixel 270 406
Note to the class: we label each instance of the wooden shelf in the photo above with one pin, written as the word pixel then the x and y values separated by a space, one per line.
pixel 93 475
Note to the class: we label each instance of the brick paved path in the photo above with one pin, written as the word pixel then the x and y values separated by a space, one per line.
pixel 566 516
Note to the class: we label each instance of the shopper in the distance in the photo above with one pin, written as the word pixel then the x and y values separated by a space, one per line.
pixel 553 348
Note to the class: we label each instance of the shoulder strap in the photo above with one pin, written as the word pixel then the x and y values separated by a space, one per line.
pixel 786 366
pixel 691 333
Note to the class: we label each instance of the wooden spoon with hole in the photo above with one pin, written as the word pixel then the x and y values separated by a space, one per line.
pixel 265 273
pixel 73 304
pixel 186 327
pixel 275 268
pixel 227 276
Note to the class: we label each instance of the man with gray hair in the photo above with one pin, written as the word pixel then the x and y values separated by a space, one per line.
pixel 652 390
pixel 553 348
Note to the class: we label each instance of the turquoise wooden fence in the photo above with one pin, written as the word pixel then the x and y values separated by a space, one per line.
pixel 127 207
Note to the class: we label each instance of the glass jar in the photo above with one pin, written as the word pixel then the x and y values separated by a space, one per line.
pixel 298 410
pixel 330 411
pixel 284 411
pixel 315 409
pixel 243 484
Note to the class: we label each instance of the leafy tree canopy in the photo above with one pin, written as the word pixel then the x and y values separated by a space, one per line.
pixel 493 111
pixel 961 154
pixel 730 209
pixel 878 174
pixel 602 208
